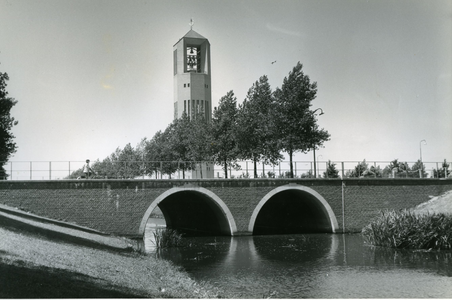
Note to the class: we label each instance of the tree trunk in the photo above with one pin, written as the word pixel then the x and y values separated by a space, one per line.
pixel 200 168
pixel 255 168
pixel 291 165
pixel 225 169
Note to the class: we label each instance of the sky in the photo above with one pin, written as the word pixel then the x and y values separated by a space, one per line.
pixel 92 76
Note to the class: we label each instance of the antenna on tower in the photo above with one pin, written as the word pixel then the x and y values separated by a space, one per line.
pixel 191 23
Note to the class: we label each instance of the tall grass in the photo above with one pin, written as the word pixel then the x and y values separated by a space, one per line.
pixel 166 238
pixel 408 230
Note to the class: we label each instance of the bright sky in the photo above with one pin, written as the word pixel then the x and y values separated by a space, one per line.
pixel 91 76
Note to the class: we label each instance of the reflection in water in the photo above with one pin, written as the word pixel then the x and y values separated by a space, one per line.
pixel 312 266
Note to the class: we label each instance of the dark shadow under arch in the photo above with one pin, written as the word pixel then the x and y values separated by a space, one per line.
pixel 193 211
pixel 294 210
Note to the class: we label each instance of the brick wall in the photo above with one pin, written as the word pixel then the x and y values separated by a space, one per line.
pixel 118 206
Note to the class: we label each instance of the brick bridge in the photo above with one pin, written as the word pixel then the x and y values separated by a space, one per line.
pixel 220 207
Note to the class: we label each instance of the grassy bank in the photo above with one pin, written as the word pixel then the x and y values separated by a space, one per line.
pixel 34 267
pixel 428 226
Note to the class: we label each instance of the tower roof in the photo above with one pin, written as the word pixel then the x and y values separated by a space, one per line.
pixel 192 35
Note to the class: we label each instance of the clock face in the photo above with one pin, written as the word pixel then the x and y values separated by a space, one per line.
pixel 193 58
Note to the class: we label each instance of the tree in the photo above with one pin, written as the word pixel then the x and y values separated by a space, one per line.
pixel 360 170
pixel 295 122
pixel 374 171
pixel 199 137
pixel 130 163
pixel 418 170
pixel 391 169
pixel 442 172
pixel 7 145
pixel 179 138
pixel 399 169
pixel 331 171
pixel 158 153
pixel 404 169
pixel 255 133
pixel 224 125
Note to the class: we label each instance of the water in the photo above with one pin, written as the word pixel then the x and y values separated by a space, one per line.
pixel 312 266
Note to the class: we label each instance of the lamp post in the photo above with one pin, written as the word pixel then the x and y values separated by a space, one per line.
pixel 318 158
pixel 420 148
pixel 420 155
pixel 315 168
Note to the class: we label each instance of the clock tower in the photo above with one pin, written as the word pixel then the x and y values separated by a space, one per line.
pixel 192 84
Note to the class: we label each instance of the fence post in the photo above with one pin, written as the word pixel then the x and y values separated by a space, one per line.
pixel 279 169
pixel 50 170
pixel 263 170
pixel 11 168
pixel 326 169
pixel 343 174
pixel 69 169
pixel 295 168
pixel 31 169
pixel 343 204
pixel 246 167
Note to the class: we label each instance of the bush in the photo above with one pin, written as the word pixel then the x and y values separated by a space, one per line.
pixel 166 238
pixel 405 229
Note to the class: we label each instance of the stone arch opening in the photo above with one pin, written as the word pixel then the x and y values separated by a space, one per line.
pixel 194 211
pixel 293 209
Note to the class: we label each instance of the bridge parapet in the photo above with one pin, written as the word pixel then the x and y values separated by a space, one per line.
pixel 119 206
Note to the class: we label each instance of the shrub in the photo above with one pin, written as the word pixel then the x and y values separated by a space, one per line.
pixel 166 238
pixel 331 171
pixel 405 229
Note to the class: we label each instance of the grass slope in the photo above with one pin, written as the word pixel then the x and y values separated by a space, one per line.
pixel 34 267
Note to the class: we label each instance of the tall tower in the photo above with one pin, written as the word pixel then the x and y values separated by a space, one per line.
pixel 192 84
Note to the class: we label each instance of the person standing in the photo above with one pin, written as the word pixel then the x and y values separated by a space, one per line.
pixel 87 171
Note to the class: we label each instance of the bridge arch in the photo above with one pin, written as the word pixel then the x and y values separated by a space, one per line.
pixel 294 197
pixel 209 200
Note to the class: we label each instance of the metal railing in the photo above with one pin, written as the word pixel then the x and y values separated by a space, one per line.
pixel 54 170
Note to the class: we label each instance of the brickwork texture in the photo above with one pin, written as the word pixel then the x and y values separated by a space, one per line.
pixel 118 206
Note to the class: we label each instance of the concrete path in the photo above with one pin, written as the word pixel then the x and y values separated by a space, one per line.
pixel 57 230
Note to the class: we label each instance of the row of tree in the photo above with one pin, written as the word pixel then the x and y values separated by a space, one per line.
pixel 266 124
pixel 394 169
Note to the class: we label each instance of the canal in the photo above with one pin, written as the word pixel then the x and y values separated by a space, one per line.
pixel 311 266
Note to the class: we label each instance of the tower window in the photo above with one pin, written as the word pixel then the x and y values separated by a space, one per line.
pixel 194 59
pixel 185 85
pixel 188 84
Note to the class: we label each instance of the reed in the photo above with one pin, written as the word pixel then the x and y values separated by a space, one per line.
pixel 166 238
pixel 405 229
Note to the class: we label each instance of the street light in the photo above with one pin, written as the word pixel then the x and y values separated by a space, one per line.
pixel 318 158
pixel 315 170
pixel 420 147
pixel 420 151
